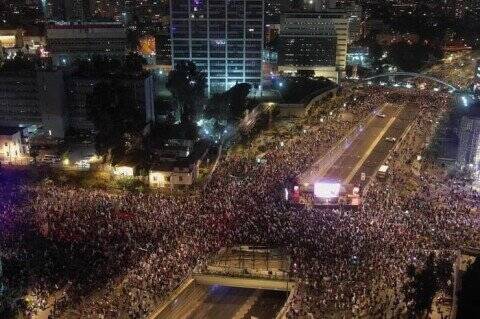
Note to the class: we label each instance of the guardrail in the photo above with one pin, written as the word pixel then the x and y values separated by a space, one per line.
pixel 282 314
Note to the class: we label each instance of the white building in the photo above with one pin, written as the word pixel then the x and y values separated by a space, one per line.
pixel 12 149
pixel 177 166
pixel 172 174
pixel 315 41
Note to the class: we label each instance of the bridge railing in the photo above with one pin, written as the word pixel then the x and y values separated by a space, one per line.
pixel 412 74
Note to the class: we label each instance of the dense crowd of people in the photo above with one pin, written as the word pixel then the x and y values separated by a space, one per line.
pixel 117 254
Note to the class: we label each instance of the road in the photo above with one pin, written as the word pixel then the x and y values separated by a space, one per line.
pixel 379 154
pixel 220 302
pixel 372 134
pixel 367 150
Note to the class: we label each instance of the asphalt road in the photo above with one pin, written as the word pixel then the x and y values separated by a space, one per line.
pixel 373 134
pixel 380 153
pixel 220 302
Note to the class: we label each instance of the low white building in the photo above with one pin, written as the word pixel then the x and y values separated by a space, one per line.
pixel 12 149
pixel 177 163
pixel 121 171
pixel 173 174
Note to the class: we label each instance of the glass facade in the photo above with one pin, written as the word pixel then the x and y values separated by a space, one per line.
pixel 223 37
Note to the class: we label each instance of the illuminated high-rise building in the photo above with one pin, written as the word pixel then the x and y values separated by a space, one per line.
pixel 224 38
pixel 314 41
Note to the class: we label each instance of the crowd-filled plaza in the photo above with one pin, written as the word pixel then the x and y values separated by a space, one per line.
pixel 107 254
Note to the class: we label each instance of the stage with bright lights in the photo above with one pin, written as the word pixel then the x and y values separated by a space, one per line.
pixel 323 193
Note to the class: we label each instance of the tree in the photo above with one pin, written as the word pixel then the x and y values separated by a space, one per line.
pixel 229 106
pixel 299 88
pixel 133 63
pixel 217 107
pixel 164 109
pixel 421 288
pixel 409 57
pixel 237 100
pixel 20 62
pixel 469 298
pixel 98 66
pixel 117 119
pixel 187 86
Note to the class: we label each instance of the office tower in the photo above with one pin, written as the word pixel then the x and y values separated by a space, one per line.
pixel 104 10
pixel 77 10
pixel 273 11
pixel 33 98
pixel 315 41
pixel 53 9
pixel 69 41
pixel 145 11
pixel 54 101
pixel 354 22
pixel 223 37
pixel 163 49
pixel 80 86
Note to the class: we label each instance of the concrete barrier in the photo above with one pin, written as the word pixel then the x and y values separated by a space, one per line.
pixel 282 314
pixel 239 282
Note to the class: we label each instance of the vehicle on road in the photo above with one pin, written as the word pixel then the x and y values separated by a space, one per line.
pixel 382 172
pixel 391 139
pixel 381 115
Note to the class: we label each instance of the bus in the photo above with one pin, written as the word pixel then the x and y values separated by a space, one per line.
pixel 382 172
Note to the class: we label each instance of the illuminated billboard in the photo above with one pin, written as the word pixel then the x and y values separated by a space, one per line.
pixel 326 190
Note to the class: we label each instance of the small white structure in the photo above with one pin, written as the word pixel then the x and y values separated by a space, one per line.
pixel 122 171
pixel 12 150
pixel 172 174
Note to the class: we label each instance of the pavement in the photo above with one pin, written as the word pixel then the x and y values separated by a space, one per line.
pixel 364 144
pixel 220 302
pixel 378 155
pixel 369 149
